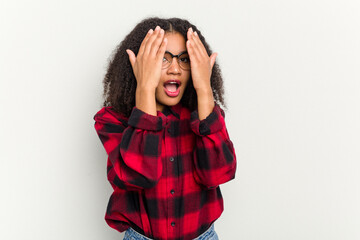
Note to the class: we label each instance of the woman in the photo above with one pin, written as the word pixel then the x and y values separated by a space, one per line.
pixel 164 132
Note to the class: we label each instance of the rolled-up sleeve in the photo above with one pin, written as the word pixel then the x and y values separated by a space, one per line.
pixel 214 154
pixel 133 146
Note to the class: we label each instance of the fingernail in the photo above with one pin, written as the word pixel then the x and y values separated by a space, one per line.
pixel 150 31
pixel 195 33
pixel 161 31
pixel 191 30
pixel 157 28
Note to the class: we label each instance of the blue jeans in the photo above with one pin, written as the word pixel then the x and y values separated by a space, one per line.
pixel 209 234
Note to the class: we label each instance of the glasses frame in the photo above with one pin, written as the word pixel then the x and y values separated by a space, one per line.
pixel 177 59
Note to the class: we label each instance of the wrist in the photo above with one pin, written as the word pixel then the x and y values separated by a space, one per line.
pixel 204 94
pixel 201 82
pixel 145 88
pixel 205 100
pixel 145 101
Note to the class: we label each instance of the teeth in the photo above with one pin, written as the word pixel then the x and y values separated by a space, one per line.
pixel 177 84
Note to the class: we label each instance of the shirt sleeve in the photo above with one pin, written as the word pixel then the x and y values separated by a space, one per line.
pixel 133 146
pixel 214 154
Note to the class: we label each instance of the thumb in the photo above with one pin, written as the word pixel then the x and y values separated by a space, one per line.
pixel 132 57
pixel 212 59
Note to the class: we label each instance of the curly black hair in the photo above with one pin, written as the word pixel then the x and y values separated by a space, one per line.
pixel 120 83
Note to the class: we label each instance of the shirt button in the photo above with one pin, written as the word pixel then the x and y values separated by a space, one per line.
pixel 173 224
pixel 172 159
pixel 172 191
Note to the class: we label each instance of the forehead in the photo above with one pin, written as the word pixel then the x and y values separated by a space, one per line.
pixel 176 42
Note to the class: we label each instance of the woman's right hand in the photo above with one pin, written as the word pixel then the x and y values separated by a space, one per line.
pixel 147 64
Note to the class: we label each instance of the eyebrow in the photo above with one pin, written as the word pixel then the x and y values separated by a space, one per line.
pixel 177 54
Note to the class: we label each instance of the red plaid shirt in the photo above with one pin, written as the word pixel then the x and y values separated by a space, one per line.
pixel 165 170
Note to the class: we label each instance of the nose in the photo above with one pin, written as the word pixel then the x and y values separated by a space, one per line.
pixel 174 66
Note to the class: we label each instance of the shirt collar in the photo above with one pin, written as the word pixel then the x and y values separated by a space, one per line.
pixel 174 110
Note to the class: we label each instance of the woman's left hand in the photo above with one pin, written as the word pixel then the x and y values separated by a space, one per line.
pixel 201 64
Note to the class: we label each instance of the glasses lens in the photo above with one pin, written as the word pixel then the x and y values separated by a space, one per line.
pixel 184 61
pixel 166 60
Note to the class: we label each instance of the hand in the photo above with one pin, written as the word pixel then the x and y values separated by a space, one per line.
pixel 147 64
pixel 201 68
pixel 201 63
pixel 147 69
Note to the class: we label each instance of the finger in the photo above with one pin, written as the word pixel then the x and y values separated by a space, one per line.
pixel 212 59
pixel 156 44
pixel 143 43
pixel 194 52
pixel 132 57
pixel 149 42
pixel 191 52
pixel 199 45
pixel 188 34
pixel 160 53
pixel 190 39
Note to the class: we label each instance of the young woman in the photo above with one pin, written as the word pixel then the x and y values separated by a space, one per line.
pixel 164 132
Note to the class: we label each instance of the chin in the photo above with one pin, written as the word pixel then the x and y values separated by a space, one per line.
pixel 170 101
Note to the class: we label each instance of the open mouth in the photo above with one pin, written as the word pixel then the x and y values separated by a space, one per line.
pixel 172 87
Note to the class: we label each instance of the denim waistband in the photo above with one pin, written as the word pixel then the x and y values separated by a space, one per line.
pixel 130 232
pixel 208 233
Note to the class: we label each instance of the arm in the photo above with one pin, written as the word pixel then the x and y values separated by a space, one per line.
pixel 133 147
pixel 214 154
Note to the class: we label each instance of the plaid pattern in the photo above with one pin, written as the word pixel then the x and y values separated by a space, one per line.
pixel 165 170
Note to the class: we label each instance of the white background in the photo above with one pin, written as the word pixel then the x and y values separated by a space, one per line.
pixel 292 82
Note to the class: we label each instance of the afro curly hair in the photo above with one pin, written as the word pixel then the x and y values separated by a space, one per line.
pixel 120 83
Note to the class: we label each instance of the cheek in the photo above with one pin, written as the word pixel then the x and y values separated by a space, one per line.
pixel 188 76
pixel 159 89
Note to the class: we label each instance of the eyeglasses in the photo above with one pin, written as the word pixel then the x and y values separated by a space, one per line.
pixel 182 59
